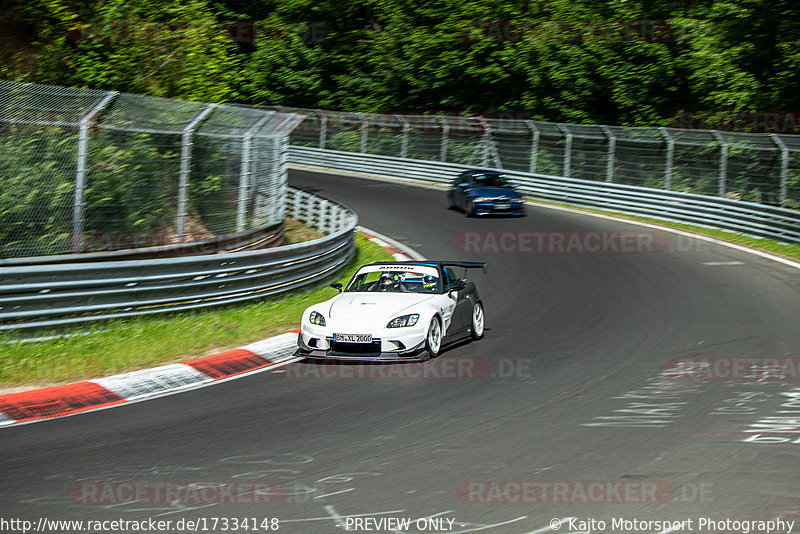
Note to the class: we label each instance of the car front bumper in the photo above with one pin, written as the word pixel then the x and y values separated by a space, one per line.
pixel 491 208
pixel 358 351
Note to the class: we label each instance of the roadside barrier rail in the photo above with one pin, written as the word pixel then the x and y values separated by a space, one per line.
pixel 53 295
pixel 760 220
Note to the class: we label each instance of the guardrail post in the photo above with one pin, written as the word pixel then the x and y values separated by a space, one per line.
pixel 445 136
pixel 186 165
pixel 404 140
pixel 610 154
pixel 534 145
pixel 784 168
pixel 76 242
pixel 567 149
pixel 298 199
pixel 364 133
pixel 669 158
pixel 723 163
pixel 244 170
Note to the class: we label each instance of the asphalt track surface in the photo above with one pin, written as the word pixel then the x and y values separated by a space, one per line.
pixel 570 387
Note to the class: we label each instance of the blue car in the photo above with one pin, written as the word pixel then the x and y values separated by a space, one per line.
pixel 478 192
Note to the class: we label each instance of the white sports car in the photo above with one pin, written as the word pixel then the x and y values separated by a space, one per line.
pixel 394 311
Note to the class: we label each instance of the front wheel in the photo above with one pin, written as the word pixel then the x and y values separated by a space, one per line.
pixel 478 321
pixel 433 341
pixel 451 205
pixel 469 209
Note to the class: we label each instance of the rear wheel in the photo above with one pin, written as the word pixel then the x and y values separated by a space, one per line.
pixel 433 341
pixel 478 321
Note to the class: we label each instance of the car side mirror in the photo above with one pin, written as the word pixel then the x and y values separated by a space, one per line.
pixel 337 286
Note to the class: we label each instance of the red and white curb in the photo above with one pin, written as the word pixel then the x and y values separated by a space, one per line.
pixel 399 251
pixel 58 401
pixel 69 399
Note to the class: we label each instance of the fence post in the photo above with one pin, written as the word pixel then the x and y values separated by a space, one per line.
pixel 404 141
pixel 76 242
pixel 610 154
pixel 534 145
pixel 567 149
pixel 723 163
pixel 273 212
pixel 445 134
pixel 364 132
pixel 244 169
pixel 186 165
pixel 669 159
pixel 784 168
pixel 485 140
pixel 323 129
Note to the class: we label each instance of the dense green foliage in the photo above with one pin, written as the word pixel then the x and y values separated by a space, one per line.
pixel 608 61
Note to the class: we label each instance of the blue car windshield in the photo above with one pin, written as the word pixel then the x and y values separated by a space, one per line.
pixel 490 180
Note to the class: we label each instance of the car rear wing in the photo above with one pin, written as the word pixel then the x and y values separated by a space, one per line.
pixel 465 264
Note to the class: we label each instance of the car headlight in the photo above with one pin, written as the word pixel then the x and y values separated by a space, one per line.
pixel 518 200
pixel 316 318
pixel 404 320
pixel 482 199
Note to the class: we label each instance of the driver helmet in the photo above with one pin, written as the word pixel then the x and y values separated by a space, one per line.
pixel 428 281
pixel 390 280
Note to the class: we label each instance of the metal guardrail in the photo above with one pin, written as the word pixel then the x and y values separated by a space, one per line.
pixel 749 218
pixel 56 295
pixel 257 238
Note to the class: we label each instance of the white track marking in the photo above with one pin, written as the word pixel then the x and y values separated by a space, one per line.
pixel 413 254
pixel 334 493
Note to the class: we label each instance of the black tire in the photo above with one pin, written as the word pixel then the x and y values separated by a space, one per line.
pixel 450 204
pixel 478 322
pixel 433 339
pixel 469 209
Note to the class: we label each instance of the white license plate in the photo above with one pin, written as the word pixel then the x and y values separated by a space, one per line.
pixel 353 338
pixel 502 206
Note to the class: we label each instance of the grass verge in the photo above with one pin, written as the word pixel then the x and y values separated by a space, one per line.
pixel 137 343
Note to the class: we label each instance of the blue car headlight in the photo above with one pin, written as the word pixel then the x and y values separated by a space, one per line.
pixel 482 199
pixel 316 318
pixel 404 320
pixel 518 200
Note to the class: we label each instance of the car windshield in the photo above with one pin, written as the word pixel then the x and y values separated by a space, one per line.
pixel 490 180
pixel 395 279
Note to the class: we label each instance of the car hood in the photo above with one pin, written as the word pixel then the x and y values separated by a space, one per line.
pixel 373 305
pixel 493 192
